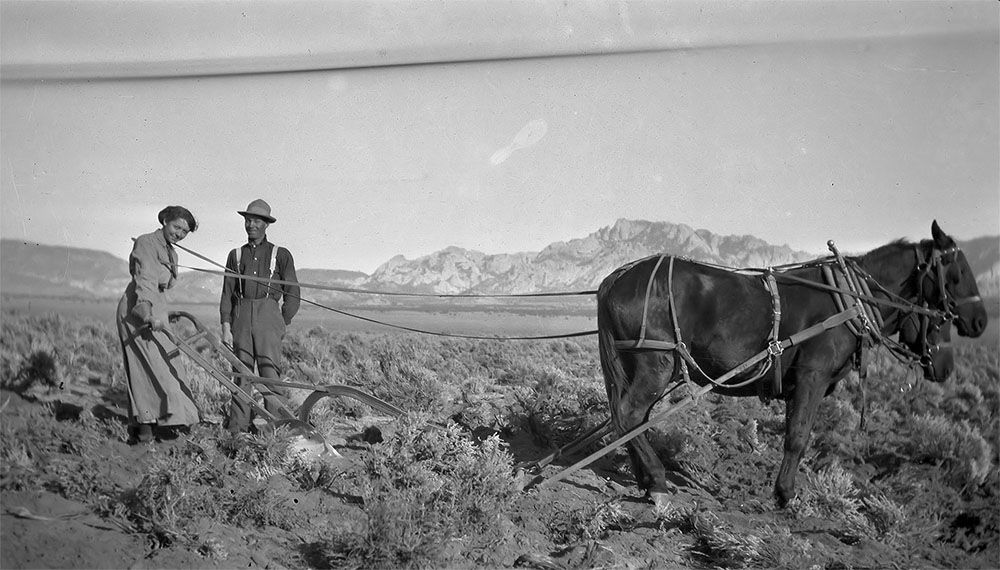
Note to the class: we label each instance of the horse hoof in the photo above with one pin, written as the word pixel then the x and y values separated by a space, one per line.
pixel 672 508
pixel 660 500
pixel 788 504
pixel 520 480
pixel 676 501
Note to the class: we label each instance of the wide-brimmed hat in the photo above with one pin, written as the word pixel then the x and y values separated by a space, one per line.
pixel 260 209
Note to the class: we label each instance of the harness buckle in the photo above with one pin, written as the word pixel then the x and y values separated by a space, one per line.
pixel 866 323
pixel 774 348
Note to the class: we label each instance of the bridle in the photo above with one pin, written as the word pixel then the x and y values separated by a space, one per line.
pixel 924 355
pixel 930 316
pixel 936 264
pixel 933 268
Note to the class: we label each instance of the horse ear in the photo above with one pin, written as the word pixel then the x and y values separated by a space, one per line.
pixel 941 239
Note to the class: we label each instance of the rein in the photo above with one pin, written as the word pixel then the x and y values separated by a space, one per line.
pixel 228 273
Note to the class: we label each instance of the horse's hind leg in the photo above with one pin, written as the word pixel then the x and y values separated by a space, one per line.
pixel 652 374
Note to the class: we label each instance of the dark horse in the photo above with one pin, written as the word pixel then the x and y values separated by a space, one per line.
pixel 705 321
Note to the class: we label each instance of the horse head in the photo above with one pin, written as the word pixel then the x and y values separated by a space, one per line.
pixel 930 339
pixel 946 282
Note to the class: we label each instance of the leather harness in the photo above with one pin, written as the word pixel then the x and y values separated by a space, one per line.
pixel 851 292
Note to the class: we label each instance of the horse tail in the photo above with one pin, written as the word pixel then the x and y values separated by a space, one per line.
pixel 615 377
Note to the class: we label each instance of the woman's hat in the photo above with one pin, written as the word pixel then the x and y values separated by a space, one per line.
pixel 259 209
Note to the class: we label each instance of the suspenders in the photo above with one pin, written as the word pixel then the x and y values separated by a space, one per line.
pixel 270 274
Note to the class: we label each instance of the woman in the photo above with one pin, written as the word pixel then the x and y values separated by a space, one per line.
pixel 158 395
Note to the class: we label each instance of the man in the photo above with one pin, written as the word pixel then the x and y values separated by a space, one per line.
pixel 253 324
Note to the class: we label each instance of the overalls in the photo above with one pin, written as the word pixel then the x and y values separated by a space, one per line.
pixel 258 328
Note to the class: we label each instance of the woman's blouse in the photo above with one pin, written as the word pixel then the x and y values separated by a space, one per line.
pixel 153 265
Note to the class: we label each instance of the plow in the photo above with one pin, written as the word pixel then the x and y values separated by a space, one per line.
pixel 296 421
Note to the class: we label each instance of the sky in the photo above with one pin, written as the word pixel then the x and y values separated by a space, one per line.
pixel 377 129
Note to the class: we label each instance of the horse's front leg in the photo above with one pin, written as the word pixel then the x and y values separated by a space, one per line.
pixel 800 414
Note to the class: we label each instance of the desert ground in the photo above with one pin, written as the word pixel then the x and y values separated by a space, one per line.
pixel 441 487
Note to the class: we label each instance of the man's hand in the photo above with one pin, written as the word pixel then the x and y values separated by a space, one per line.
pixel 156 324
pixel 227 334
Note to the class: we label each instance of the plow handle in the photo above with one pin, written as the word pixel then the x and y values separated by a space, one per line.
pixel 229 355
pixel 287 417
pixel 186 348
pixel 191 353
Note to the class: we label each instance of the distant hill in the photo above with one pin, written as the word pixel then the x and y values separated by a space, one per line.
pixel 578 264
pixel 45 270
pixel 28 268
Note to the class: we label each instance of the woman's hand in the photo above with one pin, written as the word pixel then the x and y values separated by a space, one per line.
pixel 156 324
pixel 143 310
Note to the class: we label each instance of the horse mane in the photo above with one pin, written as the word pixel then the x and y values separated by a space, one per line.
pixel 887 256
pixel 900 242
pixel 893 245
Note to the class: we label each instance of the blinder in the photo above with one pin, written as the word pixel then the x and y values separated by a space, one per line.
pixel 937 265
pixel 927 348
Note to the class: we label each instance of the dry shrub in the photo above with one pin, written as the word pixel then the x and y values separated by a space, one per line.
pixel 832 494
pixel 393 373
pixel 967 397
pixel 38 431
pixel 48 350
pixel 560 407
pixel 185 485
pixel 18 470
pixel 427 485
pixel 719 544
pixel 959 447
pixel 591 522
pixel 211 397
pixel 82 479
pixel 38 371
pixel 270 448
pixel 271 455
pixel 670 514
pixel 888 519
pixel 595 521
pixel 39 452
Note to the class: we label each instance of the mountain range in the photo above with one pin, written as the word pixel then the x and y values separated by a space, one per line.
pixel 578 264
